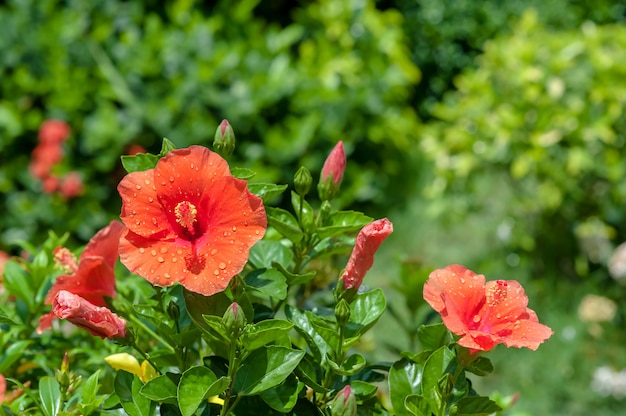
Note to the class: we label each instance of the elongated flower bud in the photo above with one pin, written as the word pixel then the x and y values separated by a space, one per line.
pixel 367 242
pixel 332 173
pixel 302 181
pixel 344 403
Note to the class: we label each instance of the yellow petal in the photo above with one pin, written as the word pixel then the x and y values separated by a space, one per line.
pixel 216 400
pixel 147 372
pixel 124 361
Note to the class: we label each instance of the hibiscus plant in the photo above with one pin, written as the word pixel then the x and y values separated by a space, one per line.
pixel 222 304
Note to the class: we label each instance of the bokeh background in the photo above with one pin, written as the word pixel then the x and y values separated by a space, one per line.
pixel 490 132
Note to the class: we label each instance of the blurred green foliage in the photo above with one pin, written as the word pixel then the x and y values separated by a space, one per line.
pixel 123 73
pixel 543 112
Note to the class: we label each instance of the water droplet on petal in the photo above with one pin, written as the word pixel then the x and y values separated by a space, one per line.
pixel 216 272
pixel 462 280
pixel 153 252
pixel 160 259
pixel 234 228
pixel 138 186
pixel 150 199
pixel 163 250
pixel 174 259
pixel 142 250
pixel 171 178
pixel 214 252
pixel 222 265
pixel 476 318
pixel 167 275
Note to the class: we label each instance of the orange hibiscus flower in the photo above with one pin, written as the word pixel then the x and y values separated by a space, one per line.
pixel 484 314
pixel 189 221
pixel 93 277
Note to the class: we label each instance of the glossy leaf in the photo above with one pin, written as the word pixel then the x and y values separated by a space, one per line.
pixel 318 345
pixel 293 278
pixel 161 389
pixel 266 191
pixel 341 222
pixel 264 332
pixel 441 363
pixel 363 390
pixel 482 366
pixel 196 385
pixel 198 305
pixel 350 366
pixel 365 310
pixel 19 283
pixel 89 399
pixel 265 368
pixel 242 173
pixel 306 371
pixel 139 162
pixel 285 223
pixel 474 406
pixel 13 353
pixel 405 379
pixel 265 252
pixel 434 336
pixel 127 387
pixel 50 395
pixel 416 405
pixel 283 397
pixel 268 283
pixel 304 214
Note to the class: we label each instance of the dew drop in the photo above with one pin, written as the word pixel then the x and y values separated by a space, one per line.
pixel 498 315
pixel 160 259
pixel 257 232
pixel 174 259
pixel 476 318
pixel 154 221
pixel 163 250
pixel 245 223
pixel 462 280
pixel 232 241
pixel 167 275
pixel 138 186
pixel 171 178
pixel 216 272
pixel 135 194
pixel 147 181
pixel 138 222
pixel 142 250
pixel 153 252
pixel 150 199
pixel 222 265
pixel 234 228
pixel 163 183
pixel 214 252
pixel 179 252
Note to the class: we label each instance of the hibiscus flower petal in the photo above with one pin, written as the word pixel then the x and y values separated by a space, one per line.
pixel 527 333
pixel 458 294
pixel 142 212
pixel 93 280
pixel 104 243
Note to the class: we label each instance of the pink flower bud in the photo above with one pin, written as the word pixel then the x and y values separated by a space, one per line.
pixel 99 321
pixel 332 173
pixel 344 403
pixel 71 185
pixel 367 242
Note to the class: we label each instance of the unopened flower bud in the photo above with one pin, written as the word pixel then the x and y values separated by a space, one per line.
pixel 234 320
pixel 224 142
pixel 344 403
pixel 302 181
pixel 342 312
pixel 332 173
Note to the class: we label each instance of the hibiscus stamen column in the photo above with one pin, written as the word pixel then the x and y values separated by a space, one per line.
pixel 186 213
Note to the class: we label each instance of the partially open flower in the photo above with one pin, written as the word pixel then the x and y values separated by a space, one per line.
pixel 99 321
pixel 484 314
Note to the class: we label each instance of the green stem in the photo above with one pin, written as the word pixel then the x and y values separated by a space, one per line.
pixel 153 334
pixel 233 364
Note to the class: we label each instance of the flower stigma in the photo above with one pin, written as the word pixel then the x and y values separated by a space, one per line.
pixel 186 216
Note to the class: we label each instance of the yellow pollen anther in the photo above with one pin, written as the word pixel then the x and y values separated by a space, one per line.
pixel 186 215
pixel 497 293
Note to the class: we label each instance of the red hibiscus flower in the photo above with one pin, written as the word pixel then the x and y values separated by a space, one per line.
pixel 53 132
pixel 367 242
pixel 71 185
pixel 98 321
pixel 484 315
pixel 93 277
pixel 189 221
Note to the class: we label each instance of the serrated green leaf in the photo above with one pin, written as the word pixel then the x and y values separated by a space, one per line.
pixel 266 191
pixel 285 223
pixel 266 368
pixel 264 332
pixel 342 222
pixel 50 395
pixel 196 385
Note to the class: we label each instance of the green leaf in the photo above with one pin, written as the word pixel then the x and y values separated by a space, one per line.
pixel 269 283
pixel 285 223
pixel 266 191
pixel 416 405
pixel 474 406
pixel 363 390
pixel 161 389
pixel 196 385
pixel 265 368
pixel 264 332
pixel 19 282
pixel 264 252
pixel 215 329
pixel 12 354
pixel 365 310
pixel 166 147
pixel 434 336
pixel 306 371
pixel 242 173
pixel 441 363
pixel 295 279
pixel 332 245
pixel 342 222
pixel 316 342
pixel 481 366
pixel 305 215
pixel 198 305
pixel 90 388
pixel 405 379
pixel 283 397
pixel 350 366
pixel 6 319
pixel 50 395
pixel 139 162
pixel 127 387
